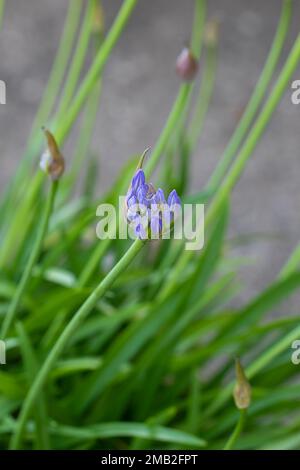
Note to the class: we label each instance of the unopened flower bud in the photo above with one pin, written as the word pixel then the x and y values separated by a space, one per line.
pixel 98 19
pixel 242 389
pixel 211 33
pixel 52 161
pixel 186 65
pixel 147 212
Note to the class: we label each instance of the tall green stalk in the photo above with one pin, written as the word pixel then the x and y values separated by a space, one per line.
pixel 31 365
pixel 204 97
pixel 175 117
pixel 2 7
pixel 180 107
pixel 78 60
pixel 64 124
pixel 45 107
pixel 257 129
pixel 58 69
pixel 66 335
pixel 36 249
pixel 242 158
pixel 255 100
pixel 253 369
pixel 237 430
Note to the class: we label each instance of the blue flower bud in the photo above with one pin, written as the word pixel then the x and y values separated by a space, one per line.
pixel 138 179
pixel 147 211
pixel 173 198
pixel 160 197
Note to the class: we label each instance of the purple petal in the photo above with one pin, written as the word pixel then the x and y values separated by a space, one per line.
pixel 131 200
pixel 156 226
pixel 140 231
pixel 154 208
pixel 160 197
pixel 132 216
pixel 167 218
pixel 173 198
pixel 141 194
pixel 138 179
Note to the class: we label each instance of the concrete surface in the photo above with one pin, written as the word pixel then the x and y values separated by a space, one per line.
pixel 139 88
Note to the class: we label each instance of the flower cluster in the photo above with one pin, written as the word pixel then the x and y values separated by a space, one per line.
pixel 148 213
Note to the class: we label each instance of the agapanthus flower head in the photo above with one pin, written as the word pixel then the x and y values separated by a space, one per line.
pixel 148 212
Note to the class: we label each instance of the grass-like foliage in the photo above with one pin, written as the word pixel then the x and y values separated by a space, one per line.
pixel 132 345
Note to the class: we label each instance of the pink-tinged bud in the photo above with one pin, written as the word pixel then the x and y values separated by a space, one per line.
pixel 186 65
pixel 52 161
pixel 242 389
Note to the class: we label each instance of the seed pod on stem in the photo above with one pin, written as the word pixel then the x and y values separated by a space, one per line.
pixel 186 65
pixel 242 389
pixel 52 162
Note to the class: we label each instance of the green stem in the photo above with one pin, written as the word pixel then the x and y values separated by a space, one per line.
pixel 177 145
pixel 179 109
pixel 175 116
pixel 255 100
pixel 92 263
pixel 262 361
pixel 64 126
pixel 66 335
pixel 31 367
pixel 258 128
pixel 9 318
pixel 242 158
pixel 237 431
pixel 292 263
pixel 86 133
pixel 2 7
pixel 187 140
pixel 47 102
pixel 87 86
pixel 59 66
pixel 78 60
pixel 198 27
pixel 204 97
pixel 23 215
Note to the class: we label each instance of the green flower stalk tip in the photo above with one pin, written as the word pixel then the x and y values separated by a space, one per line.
pixel 52 162
pixel 142 159
pixel 242 388
pixel 186 65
